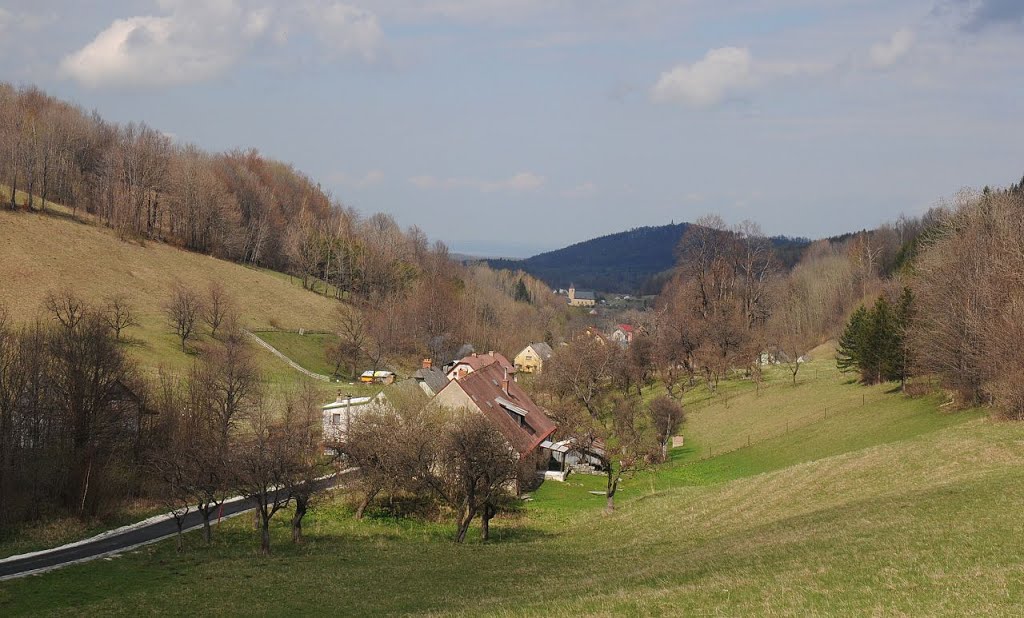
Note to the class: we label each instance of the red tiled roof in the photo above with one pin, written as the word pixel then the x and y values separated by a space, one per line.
pixel 626 328
pixel 479 361
pixel 484 387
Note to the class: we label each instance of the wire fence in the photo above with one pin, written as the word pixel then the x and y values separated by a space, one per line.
pixel 819 415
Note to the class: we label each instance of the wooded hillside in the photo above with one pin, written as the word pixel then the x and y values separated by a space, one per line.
pixel 631 262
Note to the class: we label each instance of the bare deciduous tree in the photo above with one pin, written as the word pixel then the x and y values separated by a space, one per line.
pixel 183 310
pixel 119 314
pixel 666 417
pixel 217 308
pixel 67 308
pixel 475 469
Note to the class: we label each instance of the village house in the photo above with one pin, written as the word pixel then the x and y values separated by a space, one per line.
pixel 338 416
pixel 430 379
pixel 491 391
pixel 622 334
pixel 474 362
pixel 532 358
pixel 581 298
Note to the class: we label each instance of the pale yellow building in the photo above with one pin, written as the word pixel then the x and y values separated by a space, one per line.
pixel 531 359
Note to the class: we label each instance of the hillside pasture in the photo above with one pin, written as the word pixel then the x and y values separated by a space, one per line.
pixel 890 507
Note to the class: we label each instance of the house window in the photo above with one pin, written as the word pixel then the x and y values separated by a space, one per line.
pixel 336 418
pixel 517 418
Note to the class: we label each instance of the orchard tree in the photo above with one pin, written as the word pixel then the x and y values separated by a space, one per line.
pixel 600 422
pixel 183 310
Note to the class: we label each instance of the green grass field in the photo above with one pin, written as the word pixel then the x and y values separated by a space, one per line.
pixel 887 506
pixel 308 350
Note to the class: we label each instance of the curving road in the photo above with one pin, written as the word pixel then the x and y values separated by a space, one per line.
pixel 121 540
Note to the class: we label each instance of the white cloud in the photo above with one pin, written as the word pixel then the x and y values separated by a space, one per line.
pixel 345 29
pixel 523 181
pixel 722 72
pixel 194 42
pixel 888 53
pixel 725 73
pixel 585 190
pixel 370 178
pixel 147 51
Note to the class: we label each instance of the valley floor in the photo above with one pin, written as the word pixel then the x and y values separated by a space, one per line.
pixel 881 504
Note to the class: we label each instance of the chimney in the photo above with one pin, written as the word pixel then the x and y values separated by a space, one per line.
pixel 504 383
pixel 490 352
pixel 341 397
pixel 428 363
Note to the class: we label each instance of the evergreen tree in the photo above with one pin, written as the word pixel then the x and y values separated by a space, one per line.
pixel 904 315
pixel 882 345
pixel 874 341
pixel 851 343
pixel 522 294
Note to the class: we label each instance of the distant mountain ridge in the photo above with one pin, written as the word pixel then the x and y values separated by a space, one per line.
pixel 630 262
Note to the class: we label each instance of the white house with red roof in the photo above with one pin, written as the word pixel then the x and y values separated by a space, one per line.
pixel 622 334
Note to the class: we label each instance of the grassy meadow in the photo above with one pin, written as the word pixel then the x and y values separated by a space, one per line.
pixel 306 349
pixel 890 505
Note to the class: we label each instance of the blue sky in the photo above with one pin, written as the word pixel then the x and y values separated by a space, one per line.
pixel 506 127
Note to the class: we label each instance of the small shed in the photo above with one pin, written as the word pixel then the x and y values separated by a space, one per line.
pixel 377 377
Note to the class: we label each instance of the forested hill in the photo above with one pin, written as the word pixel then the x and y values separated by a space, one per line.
pixel 630 262
pixel 620 262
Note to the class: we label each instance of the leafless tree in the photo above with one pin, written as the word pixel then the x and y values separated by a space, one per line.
pixel 350 326
pixel 183 310
pixel 303 429
pixel 476 468
pixel 218 307
pixel 264 461
pixel 119 314
pixel 171 462
pixel 968 302
pixel 66 308
pixel 602 424
pixel 666 417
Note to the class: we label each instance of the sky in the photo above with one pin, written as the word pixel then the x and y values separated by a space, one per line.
pixel 509 127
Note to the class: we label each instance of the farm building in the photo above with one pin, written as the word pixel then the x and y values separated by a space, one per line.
pixel 377 377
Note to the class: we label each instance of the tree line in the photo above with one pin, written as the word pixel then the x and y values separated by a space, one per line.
pixel 83 429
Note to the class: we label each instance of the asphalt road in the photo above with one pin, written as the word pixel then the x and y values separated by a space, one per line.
pixel 120 542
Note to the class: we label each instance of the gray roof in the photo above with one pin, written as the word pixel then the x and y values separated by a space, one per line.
pixel 585 295
pixel 434 378
pixel 542 349
pixel 404 391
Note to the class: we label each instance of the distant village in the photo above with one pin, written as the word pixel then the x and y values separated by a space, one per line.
pixel 488 384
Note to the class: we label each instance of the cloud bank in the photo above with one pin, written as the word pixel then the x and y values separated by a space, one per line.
pixel 195 42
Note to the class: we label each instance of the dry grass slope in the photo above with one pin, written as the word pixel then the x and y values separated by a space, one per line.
pixel 40 254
